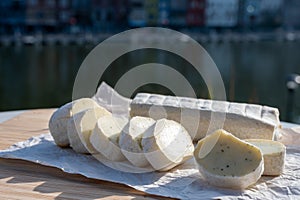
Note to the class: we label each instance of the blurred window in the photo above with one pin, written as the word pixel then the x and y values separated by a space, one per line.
pixel 51 3
pixel 33 2
pixel 16 5
pixel 137 4
pixel 64 16
pixel 250 8
pixel 63 3
pixel 98 15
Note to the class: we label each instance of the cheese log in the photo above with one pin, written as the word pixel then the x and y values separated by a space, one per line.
pixel 80 126
pixel 130 140
pixel 105 137
pixel 59 120
pixel 226 161
pixel 273 153
pixel 167 144
pixel 246 121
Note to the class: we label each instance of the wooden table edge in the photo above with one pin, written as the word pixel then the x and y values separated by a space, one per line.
pixel 29 180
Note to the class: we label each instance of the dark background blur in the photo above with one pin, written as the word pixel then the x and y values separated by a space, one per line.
pixel 255 44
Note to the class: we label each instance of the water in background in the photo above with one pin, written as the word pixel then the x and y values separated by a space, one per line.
pixel 255 72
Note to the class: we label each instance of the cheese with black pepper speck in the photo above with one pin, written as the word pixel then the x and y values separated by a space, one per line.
pixel 226 161
pixel 273 153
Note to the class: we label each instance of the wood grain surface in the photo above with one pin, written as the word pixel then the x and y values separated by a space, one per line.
pixel 25 180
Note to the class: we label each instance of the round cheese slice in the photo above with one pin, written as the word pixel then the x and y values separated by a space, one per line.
pixel 273 153
pixel 226 161
pixel 105 137
pixel 59 120
pixel 130 140
pixel 166 145
pixel 80 126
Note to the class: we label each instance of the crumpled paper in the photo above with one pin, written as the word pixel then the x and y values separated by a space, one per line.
pixel 107 97
pixel 184 181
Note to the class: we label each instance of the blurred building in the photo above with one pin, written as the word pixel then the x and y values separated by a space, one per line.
pixel 81 15
pixel 41 15
pixel 137 14
pixel 250 13
pixel 164 12
pixel 272 13
pixel 291 14
pixel 147 12
pixel 64 11
pixel 121 11
pixel 12 15
pixel 107 14
pixel 75 16
pixel 178 10
pixel 220 13
pixel 152 12
pixel 262 13
pixel 195 12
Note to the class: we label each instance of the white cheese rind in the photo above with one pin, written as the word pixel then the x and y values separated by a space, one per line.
pixel 232 182
pixel 231 163
pixel 245 121
pixel 59 119
pixel 80 126
pixel 167 144
pixel 130 140
pixel 274 155
pixel 105 136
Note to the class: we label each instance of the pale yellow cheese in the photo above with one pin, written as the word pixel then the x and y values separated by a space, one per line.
pixel 273 153
pixel 226 161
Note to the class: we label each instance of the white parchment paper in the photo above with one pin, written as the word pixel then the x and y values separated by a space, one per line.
pixel 184 181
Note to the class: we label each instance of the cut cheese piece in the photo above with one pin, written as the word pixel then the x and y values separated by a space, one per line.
pixel 80 126
pixel 59 120
pixel 167 144
pixel 130 140
pixel 105 137
pixel 246 121
pixel 226 161
pixel 273 153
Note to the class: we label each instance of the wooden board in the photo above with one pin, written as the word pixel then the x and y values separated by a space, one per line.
pixel 25 180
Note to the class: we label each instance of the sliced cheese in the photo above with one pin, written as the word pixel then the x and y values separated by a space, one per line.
pixel 130 140
pixel 59 120
pixel 105 137
pixel 80 126
pixel 226 161
pixel 167 144
pixel 273 153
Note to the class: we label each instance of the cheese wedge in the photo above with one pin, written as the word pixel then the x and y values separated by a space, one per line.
pixel 273 153
pixel 226 161
pixel 203 116
pixel 130 140
pixel 80 126
pixel 167 144
pixel 59 120
pixel 105 137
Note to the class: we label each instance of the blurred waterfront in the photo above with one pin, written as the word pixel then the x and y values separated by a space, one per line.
pixel 255 44
pixel 35 76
